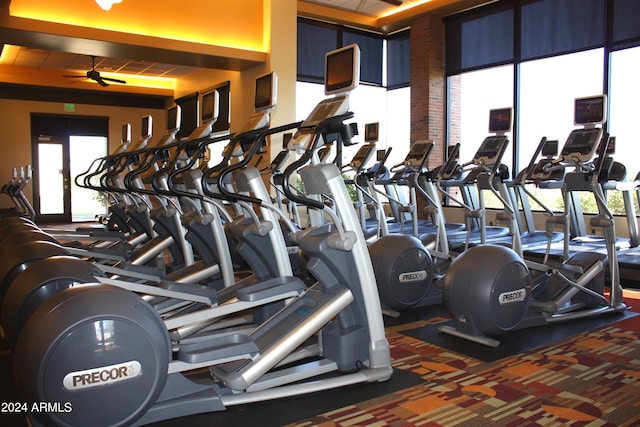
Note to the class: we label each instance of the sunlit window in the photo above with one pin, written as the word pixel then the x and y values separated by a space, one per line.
pixel 480 92
pixel 623 111
pixel 370 104
pixel 548 88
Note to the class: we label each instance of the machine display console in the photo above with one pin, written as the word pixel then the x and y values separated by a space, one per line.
pixel 491 150
pixel 363 155
pixel 582 144
pixel 419 151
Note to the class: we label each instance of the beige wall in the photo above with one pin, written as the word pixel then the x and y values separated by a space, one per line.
pixel 279 28
pixel 15 122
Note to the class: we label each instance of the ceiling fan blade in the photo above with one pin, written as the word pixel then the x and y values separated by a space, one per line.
pixel 74 77
pixel 100 81
pixel 109 79
pixel 393 2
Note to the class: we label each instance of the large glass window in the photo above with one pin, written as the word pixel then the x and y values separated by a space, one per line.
pixel 370 104
pixel 560 49
pixel 480 92
pixel 623 111
pixel 548 88
pixel 471 96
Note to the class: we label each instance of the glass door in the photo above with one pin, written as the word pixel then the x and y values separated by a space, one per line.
pixel 57 160
pixel 52 190
pixel 85 203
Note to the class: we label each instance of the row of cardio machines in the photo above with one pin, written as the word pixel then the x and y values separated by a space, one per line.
pixel 491 288
pixel 132 341
pixel 14 190
pixel 130 347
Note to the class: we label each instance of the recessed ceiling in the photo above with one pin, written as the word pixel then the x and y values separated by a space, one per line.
pixel 374 8
pixel 68 62
pixel 39 61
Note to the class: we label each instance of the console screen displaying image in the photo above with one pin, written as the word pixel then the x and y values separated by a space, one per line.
pixel 264 97
pixel 208 106
pixel 341 68
pixel 500 120
pixel 590 110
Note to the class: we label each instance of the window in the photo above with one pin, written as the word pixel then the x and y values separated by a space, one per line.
pixel 481 91
pixel 559 49
pixel 370 104
pixel 548 88
pixel 623 112
pixel 373 101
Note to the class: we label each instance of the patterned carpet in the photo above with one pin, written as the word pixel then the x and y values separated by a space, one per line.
pixel 592 379
pixel 588 379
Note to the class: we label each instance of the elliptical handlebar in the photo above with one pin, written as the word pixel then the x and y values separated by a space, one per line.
pixel 258 138
pixel 451 164
pixel 193 149
pixel 324 127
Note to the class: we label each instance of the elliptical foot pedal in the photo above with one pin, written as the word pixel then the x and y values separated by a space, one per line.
pixel 489 342
pixel 221 349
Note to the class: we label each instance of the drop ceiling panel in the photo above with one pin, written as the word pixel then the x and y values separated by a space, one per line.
pixel 44 59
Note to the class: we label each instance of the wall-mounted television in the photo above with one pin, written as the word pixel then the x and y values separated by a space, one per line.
pixel 590 110
pixel 174 117
pixel 500 120
pixel 342 70
pixel 266 92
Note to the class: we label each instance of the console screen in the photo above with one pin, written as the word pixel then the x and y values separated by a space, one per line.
pixel 590 110
pixel 342 70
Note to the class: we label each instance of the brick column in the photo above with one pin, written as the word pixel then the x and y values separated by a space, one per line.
pixel 428 83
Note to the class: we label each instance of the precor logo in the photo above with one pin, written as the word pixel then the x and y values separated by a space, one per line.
pixel 102 376
pixel 412 276
pixel 512 296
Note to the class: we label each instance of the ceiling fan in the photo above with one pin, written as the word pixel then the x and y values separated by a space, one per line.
pixel 96 77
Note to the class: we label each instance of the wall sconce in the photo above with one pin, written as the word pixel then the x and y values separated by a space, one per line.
pixel 106 4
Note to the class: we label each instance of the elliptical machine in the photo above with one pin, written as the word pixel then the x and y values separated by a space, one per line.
pixel 108 353
pixel 490 290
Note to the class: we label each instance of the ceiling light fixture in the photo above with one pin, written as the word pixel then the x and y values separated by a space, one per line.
pixel 106 4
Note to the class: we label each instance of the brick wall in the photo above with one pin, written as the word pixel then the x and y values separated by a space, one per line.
pixel 428 84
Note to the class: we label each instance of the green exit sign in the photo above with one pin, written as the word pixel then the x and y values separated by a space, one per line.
pixel 69 108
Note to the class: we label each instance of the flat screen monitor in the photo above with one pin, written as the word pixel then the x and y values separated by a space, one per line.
pixel 371 132
pixel 342 70
pixel 173 118
pixel 126 133
pixel 209 107
pixel 550 148
pixel 266 92
pixel 223 116
pixel 591 110
pixel 500 120
pixel 147 127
